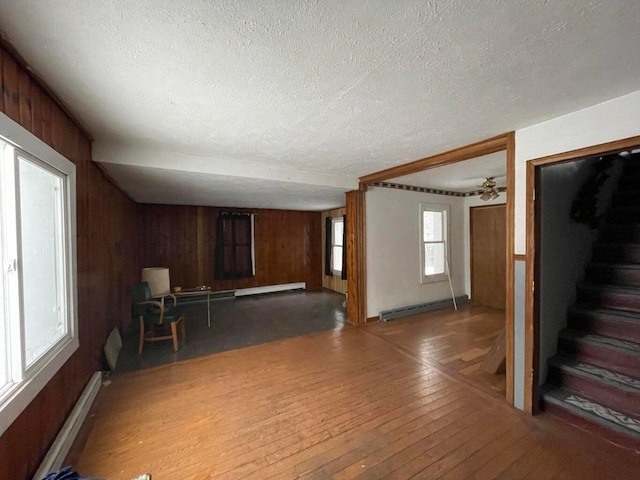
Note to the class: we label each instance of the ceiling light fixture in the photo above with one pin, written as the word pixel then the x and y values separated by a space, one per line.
pixel 490 192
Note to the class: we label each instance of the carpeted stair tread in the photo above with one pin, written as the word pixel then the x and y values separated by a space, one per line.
pixel 624 346
pixel 614 272
pixel 594 412
pixel 595 372
pixel 605 313
pixel 604 287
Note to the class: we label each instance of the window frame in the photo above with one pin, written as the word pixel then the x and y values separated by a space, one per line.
pixel 439 208
pixel 29 381
pixel 334 220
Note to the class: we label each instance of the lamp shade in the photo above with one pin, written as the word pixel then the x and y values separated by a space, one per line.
pixel 158 279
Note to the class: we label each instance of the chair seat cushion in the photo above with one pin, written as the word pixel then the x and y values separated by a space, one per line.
pixel 170 315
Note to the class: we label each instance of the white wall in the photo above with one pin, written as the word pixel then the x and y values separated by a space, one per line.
pixel 612 120
pixel 468 203
pixel 393 249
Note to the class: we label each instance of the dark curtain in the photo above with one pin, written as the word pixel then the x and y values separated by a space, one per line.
pixel 233 246
pixel 327 246
pixel 344 248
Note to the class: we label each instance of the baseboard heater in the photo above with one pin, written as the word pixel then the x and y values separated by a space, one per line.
pixel 400 312
pixel 63 442
pixel 241 292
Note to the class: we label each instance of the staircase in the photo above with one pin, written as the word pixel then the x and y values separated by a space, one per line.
pixel 594 380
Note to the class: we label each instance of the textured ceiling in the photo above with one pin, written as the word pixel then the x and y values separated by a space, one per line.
pixel 306 87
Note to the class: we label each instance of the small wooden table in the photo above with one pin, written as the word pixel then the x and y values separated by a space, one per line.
pixel 197 291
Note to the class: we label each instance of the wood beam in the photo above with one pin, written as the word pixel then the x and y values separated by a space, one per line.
pixel 478 149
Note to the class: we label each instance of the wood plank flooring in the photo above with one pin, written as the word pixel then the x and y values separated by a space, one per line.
pixel 452 341
pixel 344 404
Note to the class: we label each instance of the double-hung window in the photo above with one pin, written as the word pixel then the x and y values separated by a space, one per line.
pixel 337 239
pixel 38 321
pixel 434 246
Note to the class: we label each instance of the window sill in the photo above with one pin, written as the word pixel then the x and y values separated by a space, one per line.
pixel 441 277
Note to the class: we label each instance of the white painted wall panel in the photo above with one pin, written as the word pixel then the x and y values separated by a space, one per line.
pixel 393 249
pixel 612 120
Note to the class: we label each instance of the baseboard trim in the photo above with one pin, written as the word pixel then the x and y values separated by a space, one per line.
pixel 400 312
pixel 240 292
pixel 63 442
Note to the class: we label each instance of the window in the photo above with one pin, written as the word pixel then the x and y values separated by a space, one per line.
pixel 235 251
pixel 434 248
pixel 337 239
pixel 38 323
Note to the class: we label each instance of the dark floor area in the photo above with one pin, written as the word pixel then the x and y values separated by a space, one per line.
pixel 238 323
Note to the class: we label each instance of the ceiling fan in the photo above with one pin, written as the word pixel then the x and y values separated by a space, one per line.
pixel 489 190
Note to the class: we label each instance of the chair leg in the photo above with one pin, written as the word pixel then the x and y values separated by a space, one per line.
pixel 141 335
pixel 174 335
pixel 182 327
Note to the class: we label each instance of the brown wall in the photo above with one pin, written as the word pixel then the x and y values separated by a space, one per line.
pixel 287 246
pixel 332 282
pixel 107 263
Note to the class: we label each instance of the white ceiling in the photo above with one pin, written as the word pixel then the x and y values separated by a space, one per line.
pixel 464 176
pixel 285 103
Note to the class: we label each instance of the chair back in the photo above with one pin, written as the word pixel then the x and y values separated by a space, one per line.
pixel 140 292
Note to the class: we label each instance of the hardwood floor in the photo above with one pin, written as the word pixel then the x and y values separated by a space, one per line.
pixel 455 342
pixel 350 403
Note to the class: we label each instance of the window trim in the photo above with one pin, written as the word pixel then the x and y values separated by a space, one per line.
pixel 443 208
pixel 16 399
pixel 334 220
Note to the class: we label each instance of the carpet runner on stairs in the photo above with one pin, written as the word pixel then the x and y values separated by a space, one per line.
pixel 594 380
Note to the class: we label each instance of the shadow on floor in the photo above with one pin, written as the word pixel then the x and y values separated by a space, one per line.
pixel 237 323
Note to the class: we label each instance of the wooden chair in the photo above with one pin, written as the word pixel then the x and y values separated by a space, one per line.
pixel 154 315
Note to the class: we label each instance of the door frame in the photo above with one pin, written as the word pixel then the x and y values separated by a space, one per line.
pixel 532 257
pixel 471 244
pixel 504 142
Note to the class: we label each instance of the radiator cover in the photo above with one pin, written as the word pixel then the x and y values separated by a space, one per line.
pixel 400 312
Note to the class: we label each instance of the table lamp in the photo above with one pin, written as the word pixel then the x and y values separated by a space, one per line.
pixel 158 279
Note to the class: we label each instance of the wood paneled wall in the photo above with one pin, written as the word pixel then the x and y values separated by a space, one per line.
pixel 356 257
pixel 107 262
pixel 332 282
pixel 288 246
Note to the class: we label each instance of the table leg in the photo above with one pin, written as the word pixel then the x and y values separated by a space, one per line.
pixel 209 309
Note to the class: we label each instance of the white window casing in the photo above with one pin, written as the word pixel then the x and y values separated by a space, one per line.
pixel 434 242
pixel 38 301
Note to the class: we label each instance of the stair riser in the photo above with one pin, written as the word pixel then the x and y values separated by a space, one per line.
pixel 623 253
pixel 597 391
pixel 613 276
pixel 591 427
pixel 614 233
pixel 606 327
pixel 613 300
pixel 615 360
